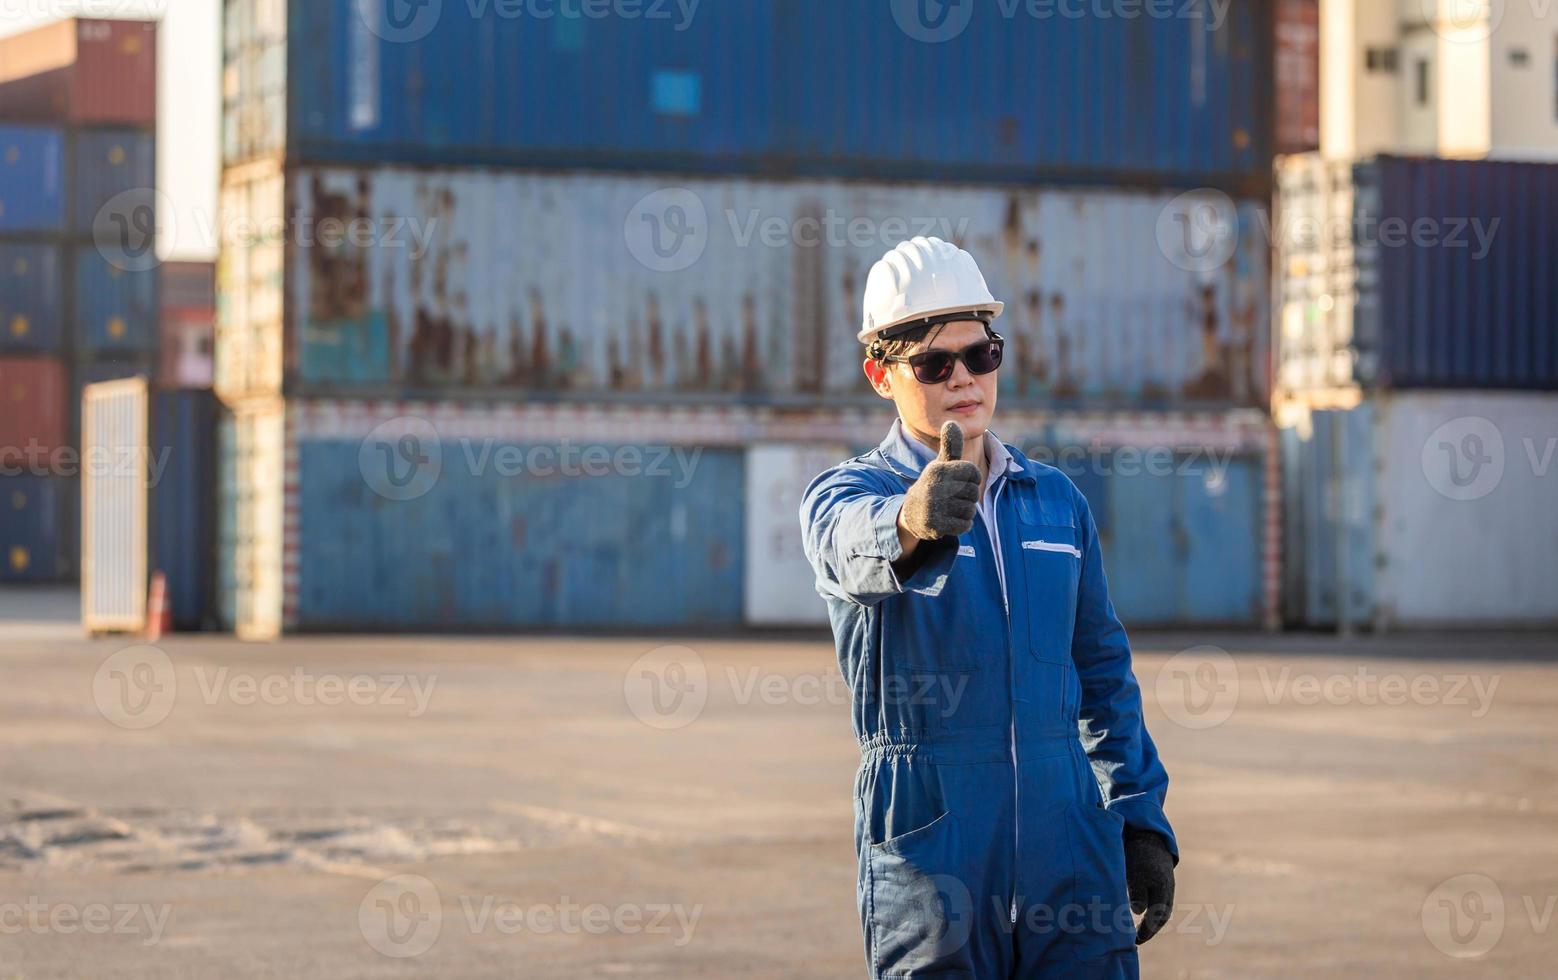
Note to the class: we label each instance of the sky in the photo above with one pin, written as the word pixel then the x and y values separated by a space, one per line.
pixel 189 104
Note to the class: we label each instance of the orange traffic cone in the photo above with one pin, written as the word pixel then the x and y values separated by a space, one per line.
pixel 159 611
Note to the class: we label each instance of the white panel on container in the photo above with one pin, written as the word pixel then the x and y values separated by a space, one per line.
pixel 779 580
pixel 1469 530
pixel 114 515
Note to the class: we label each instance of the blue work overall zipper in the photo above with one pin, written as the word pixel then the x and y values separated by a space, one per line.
pixel 1011 688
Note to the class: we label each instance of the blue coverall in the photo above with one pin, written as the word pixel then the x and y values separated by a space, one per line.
pixel 1003 750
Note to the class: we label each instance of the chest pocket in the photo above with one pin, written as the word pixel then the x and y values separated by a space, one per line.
pixel 1051 545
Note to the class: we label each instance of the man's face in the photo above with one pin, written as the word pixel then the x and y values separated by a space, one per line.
pixel 965 398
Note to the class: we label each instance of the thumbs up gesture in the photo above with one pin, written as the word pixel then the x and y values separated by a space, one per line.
pixel 942 502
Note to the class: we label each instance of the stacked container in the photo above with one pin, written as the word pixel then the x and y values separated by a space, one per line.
pixel 1418 373
pixel 78 279
pixel 446 280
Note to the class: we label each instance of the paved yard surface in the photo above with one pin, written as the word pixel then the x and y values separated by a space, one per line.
pixel 557 808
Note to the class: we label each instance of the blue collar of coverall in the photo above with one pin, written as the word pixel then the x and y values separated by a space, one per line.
pixel 908 456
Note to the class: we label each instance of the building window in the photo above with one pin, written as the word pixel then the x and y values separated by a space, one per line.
pixel 1380 59
pixel 1422 81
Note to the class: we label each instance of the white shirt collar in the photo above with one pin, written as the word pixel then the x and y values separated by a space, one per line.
pixel 998 458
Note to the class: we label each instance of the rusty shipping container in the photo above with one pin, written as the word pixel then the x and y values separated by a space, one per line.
pixel 1297 76
pixel 33 415
pixel 82 71
pixel 402 281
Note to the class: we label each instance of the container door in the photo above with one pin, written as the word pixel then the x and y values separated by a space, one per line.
pixel 113 506
pixel 1220 528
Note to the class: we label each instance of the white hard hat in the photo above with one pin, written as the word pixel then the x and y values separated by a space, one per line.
pixel 924 279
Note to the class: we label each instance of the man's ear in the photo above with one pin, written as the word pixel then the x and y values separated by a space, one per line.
pixel 879 376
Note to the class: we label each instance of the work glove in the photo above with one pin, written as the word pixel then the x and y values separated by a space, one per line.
pixel 1149 876
pixel 942 502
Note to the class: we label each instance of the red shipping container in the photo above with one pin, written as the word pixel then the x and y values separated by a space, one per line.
pixel 32 410
pixel 81 71
pixel 1298 75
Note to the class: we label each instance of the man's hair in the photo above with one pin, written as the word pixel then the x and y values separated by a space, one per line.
pixel 902 343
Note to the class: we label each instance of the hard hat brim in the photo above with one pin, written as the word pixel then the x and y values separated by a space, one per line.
pixel 884 332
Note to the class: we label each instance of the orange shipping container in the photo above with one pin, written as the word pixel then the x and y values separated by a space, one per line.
pixel 81 71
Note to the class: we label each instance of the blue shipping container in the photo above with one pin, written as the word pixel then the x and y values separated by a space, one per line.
pixel 1456 274
pixel 115 310
pixel 1181 541
pixel 30 297
pixel 813 87
pixel 33 521
pixel 183 428
pixel 484 550
pixel 109 163
pixel 32 179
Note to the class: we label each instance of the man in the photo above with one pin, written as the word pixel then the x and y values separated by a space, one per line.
pixel 1009 803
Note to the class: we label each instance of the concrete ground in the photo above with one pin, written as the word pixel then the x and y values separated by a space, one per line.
pixel 555 807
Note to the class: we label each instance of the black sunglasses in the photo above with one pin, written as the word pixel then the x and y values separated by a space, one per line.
pixel 932 367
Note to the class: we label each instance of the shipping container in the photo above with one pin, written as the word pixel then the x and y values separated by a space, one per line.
pixel 186 337
pixel 1414 273
pixel 31 297
pixel 82 71
pixel 188 286
pixel 502 283
pixel 1298 76
pixel 115 310
pixel 1426 508
pixel 1003 94
pixel 32 179
pixel 114 176
pixel 33 522
pixel 451 515
pixel 33 414
pixel 149 493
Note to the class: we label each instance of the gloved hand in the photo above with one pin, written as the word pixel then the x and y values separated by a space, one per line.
pixel 1149 876
pixel 942 502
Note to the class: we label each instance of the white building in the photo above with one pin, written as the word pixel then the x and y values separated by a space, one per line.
pixel 1450 78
